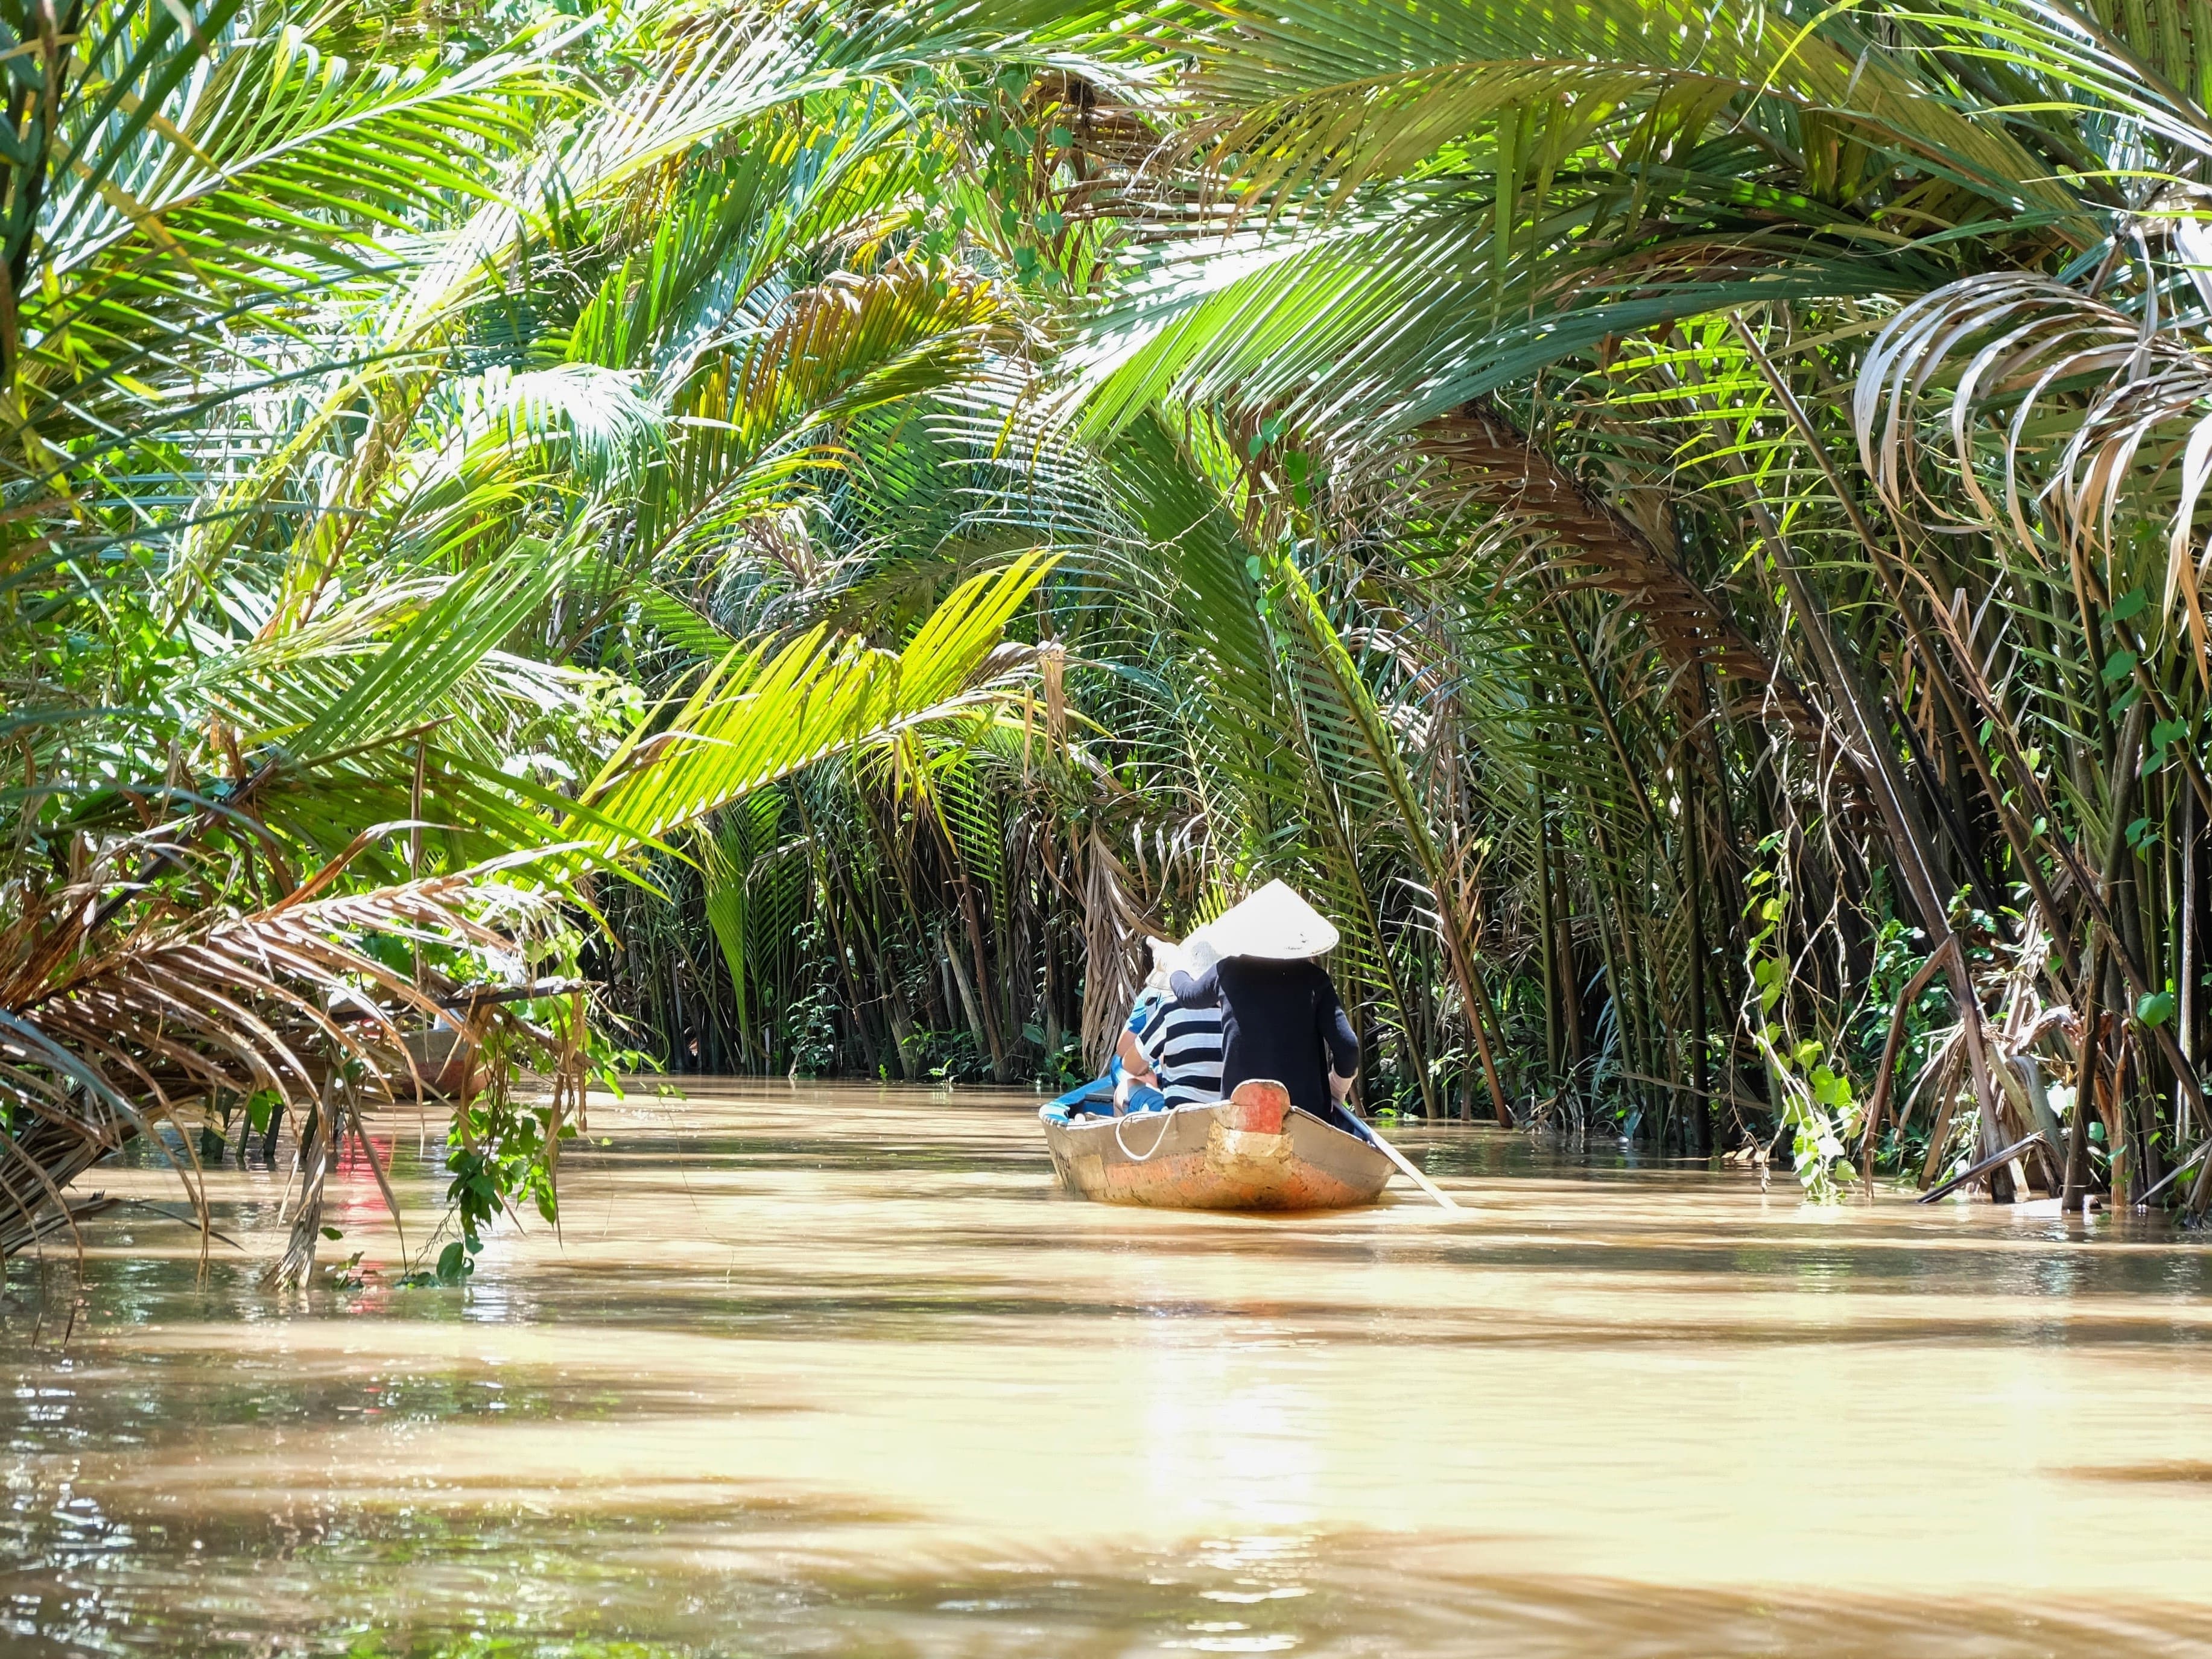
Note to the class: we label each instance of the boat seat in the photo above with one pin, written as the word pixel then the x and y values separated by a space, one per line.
pixel 1096 1099
pixel 1257 1106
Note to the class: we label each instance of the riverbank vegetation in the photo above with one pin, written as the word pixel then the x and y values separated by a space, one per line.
pixel 788 539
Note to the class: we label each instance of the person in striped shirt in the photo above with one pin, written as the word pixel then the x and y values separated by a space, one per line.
pixel 1182 1046
pixel 1172 1047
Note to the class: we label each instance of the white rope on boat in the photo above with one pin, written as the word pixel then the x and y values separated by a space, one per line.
pixel 1167 1123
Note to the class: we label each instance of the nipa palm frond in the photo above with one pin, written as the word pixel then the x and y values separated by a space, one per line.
pixel 97 1050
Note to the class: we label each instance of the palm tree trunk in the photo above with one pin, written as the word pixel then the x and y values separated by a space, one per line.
pixel 984 1037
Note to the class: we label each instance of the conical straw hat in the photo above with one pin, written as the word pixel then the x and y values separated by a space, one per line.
pixel 1274 925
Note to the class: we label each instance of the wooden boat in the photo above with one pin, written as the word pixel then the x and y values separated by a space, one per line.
pixel 1253 1150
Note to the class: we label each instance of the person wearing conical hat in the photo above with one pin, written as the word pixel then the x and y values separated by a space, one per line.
pixel 1280 1016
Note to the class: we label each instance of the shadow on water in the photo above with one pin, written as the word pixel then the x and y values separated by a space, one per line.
pixel 838 1371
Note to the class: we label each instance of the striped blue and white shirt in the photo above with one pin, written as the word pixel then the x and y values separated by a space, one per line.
pixel 1183 1046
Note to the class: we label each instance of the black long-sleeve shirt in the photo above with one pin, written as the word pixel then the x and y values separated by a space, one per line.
pixel 1279 1020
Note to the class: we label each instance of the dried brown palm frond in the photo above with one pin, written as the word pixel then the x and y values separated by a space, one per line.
pixel 1116 924
pixel 1488 460
pixel 2102 415
pixel 100 1045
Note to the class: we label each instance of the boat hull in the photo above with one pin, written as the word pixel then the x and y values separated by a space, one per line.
pixel 1253 1151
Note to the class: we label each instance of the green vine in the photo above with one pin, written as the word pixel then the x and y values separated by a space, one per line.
pixel 1818 1108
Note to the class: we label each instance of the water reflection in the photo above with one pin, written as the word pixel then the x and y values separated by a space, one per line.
pixel 838 1373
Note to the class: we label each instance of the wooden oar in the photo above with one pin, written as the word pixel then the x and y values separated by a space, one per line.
pixel 1405 1167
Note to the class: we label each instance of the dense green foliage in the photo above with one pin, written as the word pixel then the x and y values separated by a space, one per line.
pixel 384 412
pixel 1675 526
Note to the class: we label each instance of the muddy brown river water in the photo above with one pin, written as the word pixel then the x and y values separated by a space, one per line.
pixel 838 1371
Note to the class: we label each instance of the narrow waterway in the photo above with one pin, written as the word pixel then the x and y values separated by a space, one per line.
pixel 839 1371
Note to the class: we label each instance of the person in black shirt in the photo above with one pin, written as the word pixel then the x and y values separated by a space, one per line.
pixel 1280 1017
